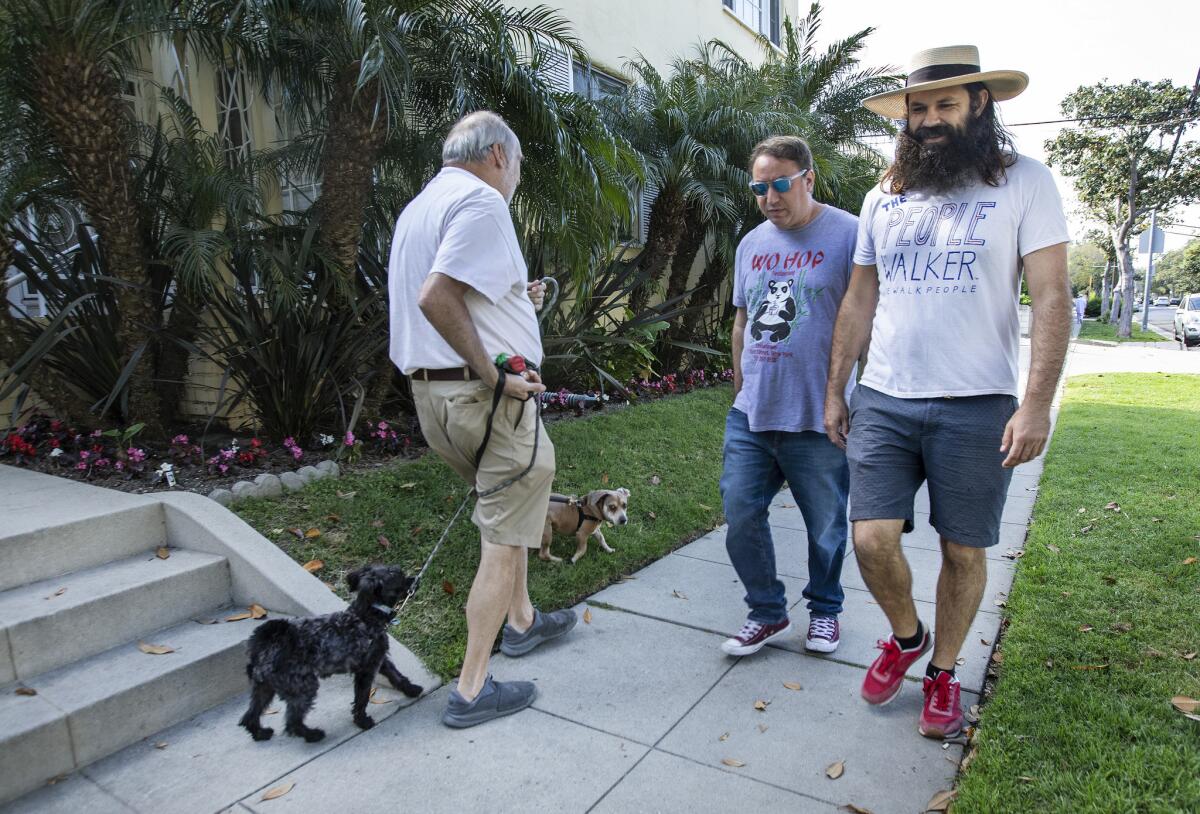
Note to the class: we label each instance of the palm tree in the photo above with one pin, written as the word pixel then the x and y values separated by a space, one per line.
pixel 64 64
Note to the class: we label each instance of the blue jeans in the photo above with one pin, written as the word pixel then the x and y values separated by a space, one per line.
pixel 756 465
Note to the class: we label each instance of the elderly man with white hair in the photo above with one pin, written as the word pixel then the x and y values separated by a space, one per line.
pixel 460 298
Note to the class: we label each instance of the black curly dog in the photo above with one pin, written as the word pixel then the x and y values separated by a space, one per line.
pixel 290 656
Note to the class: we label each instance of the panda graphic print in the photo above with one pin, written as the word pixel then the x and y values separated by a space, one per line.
pixel 774 316
pixel 790 283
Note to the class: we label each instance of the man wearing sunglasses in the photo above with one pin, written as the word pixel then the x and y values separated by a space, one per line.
pixel 789 277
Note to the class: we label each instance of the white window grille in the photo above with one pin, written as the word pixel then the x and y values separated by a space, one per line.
pixel 594 84
pixel 645 202
pixel 234 102
pixel 760 15
pixel 136 95
pixel 556 70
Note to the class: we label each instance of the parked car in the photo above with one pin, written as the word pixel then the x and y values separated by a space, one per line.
pixel 1187 321
pixel 1162 302
pixel 1174 300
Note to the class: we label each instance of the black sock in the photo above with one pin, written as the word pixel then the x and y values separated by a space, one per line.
pixel 932 672
pixel 914 641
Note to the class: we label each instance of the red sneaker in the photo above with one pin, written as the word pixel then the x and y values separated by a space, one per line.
pixel 941 717
pixel 754 636
pixel 885 676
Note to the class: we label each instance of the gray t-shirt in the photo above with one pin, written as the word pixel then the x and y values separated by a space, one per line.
pixel 791 283
pixel 949 269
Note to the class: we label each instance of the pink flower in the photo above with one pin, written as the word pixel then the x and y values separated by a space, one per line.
pixel 383 425
pixel 119 466
pixel 136 455
pixel 179 439
pixel 81 465
pixel 84 455
pixel 349 439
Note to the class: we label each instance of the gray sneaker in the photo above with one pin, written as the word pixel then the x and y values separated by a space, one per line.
pixel 546 626
pixel 495 700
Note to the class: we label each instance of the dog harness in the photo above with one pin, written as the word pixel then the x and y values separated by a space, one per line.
pixel 574 501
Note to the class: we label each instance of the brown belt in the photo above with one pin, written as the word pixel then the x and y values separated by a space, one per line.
pixel 449 374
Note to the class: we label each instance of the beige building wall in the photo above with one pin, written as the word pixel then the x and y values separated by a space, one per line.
pixel 616 31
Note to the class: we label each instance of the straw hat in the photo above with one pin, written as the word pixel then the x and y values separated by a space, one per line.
pixel 943 68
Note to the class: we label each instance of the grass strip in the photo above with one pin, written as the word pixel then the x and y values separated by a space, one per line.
pixel 1102 616
pixel 1107 332
pixel 666 452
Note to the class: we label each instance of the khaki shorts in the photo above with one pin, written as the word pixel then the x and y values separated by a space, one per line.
pixel 453 418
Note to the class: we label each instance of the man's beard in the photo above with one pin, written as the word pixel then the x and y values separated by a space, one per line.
pixel 954 163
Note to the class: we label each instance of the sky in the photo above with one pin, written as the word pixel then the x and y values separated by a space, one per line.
pixel 1061 44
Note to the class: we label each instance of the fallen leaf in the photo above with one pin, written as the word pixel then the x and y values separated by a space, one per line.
pixel 1109 580
pixel 333 518
pixel 312 534
pixel 941 801
pixel 411 485
pixel 836 770
pixel 853 809
pixel 1156 520
pixel 960 660
pixel 382 701
pixel 1000 603
pixel 26 691
pixel 272 711
pixel 1152 653
pixel 1185 704
pixel 678 595
pixel 1191 716
pixel 1024 778
pixel 163 552
pixel 377 523
pixel 384 541
pixel 1086 529
pixel 792 685
pixel 587 616
pixel 297 531
pixel 998 657
pixel 604 478
pixel 974 711
pixel 1054 548
pixel 655 481
pixel 160 745
pixel 1014 554
pixel 278 791
pixel 448 587
pixel 1082 510
pixel 237 617
pixel 155 649
pixel 312 566
pixel 1089 666
pixel 257 611
pixel 985 642
pixel 1189 561
pixel 762 728
pixel 207 621
pixel 761 706
pixel 346 495
pixel 1049 664
pixel 734 762
pixel 1188 656
pixel 1113 506
pixel 1085 628
pixel 416 531
pixel 724 737
pixel 59 592
pixel 1122 627
pixel 706 508
pixel 652 515
pixel 277 531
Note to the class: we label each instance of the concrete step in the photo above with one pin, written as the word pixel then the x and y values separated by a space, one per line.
pixel 94 707
pixel 63 619
pixel 63 541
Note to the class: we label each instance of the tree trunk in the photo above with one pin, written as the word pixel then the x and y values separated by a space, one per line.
pixel 85 119
pixel 1105 292
pixel 690 243
pixel 1124 319
pixel 666 226
pixel 715 273
pixel 353 143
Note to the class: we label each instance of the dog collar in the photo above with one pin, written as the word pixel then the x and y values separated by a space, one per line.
pixel 386 610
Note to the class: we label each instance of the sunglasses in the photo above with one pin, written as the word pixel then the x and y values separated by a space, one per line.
pixel 780 185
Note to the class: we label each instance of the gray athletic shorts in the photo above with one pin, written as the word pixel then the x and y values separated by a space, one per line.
pixel 954 443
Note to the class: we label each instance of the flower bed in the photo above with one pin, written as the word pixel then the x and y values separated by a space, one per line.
pixel 117 458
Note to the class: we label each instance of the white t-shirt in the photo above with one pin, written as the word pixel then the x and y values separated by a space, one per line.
pixel 949 266
pixel 461 227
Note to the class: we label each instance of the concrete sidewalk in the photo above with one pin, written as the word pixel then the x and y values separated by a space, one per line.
pixel 638 710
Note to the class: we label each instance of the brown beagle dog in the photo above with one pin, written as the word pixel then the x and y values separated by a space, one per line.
pixel 582 517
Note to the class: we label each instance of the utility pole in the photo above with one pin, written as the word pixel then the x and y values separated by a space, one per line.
pixel 1149 275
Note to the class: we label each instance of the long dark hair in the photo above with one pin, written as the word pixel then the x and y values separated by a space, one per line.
pixel 988 147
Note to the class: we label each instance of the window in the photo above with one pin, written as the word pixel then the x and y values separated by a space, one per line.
pixel 594 84
pixel 233 113
pixel 298 190
pixel 760 15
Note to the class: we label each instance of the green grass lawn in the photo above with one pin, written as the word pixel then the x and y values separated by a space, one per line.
pixel 1103 615
pixel 1107 332
pixel 676 441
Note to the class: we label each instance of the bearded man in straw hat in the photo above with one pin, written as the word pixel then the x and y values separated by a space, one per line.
pixel 942 244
